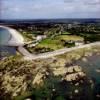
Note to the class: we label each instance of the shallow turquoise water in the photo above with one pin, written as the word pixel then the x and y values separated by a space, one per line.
pixel 4 36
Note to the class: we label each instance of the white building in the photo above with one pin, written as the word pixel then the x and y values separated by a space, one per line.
pixel 40 37
pixel 79 43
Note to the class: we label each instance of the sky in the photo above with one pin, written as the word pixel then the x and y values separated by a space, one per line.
pixel 49 9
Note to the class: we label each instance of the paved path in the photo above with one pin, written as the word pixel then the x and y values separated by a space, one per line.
pixel 24 52
pixel 17 40
pixel 29 56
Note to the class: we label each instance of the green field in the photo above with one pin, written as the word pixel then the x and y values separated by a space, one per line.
pixel 50 43
pixel 56 42
pixel 69 37
pixel 66 33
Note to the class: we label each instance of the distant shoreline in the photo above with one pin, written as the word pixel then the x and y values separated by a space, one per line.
pixel 58 20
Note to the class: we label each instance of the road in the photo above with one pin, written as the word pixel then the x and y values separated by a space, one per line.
pixel 18 40
pixel 29 56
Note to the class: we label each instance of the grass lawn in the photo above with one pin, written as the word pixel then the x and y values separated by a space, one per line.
pixel 50 43
pixel 66 33
pixel 68 37
pixel 55 42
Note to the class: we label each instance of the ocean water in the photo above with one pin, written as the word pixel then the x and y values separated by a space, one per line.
pixel 92 69
pixel 4 38
pixel 6 51
pixel 91 66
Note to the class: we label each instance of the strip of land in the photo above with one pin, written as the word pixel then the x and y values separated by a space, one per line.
pixel 29 56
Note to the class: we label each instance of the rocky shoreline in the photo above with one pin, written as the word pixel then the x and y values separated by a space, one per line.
pixel 18 77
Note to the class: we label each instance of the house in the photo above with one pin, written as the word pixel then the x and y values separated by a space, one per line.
pixel 79 42
pixel 40 37
pixel 76 42
pixel 32 45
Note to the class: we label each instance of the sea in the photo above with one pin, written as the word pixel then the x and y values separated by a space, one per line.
pixel 91 67
pixel 4 38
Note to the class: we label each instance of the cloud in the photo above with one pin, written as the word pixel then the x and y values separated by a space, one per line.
pixel 50 9
pixel 69 1
pixel 93 3
pixel 88 2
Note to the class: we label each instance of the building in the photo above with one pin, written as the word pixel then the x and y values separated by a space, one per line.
pixel 78 43
pixel 40 37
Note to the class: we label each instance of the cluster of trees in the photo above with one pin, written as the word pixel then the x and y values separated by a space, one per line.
pixel 52 30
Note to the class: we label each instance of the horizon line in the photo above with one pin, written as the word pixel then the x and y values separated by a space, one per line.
pixel 47 18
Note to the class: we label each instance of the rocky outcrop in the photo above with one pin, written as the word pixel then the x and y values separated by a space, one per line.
pixel 19 76
pixel 69 73
pixel 38 80
pixel 66 70
pixel 14 85
pixel 74 76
